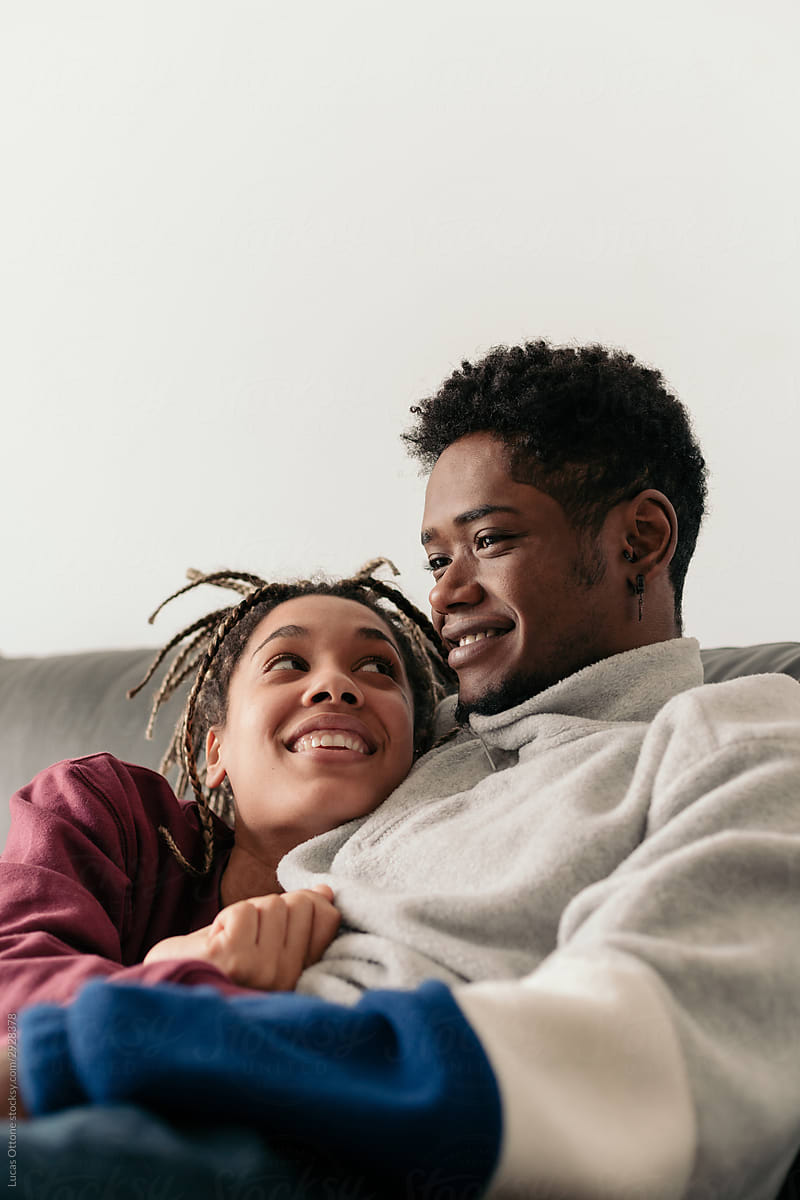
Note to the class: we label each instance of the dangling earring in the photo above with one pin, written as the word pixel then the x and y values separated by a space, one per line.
pixel 639 589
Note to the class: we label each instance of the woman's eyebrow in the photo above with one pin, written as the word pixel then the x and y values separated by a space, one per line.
pixel 282 631
pixel 369 631
pixel 365 631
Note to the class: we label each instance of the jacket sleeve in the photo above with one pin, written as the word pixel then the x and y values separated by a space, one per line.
pixel 78 836
pixel 655 1052
pixel 397 1084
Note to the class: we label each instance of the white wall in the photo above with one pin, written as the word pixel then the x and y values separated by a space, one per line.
pixel 240 238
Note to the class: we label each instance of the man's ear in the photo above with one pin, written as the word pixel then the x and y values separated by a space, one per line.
pixel 215 771
pixel 651 531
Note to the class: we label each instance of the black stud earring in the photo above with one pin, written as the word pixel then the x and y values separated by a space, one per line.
pixel 639 589
pixel 628 556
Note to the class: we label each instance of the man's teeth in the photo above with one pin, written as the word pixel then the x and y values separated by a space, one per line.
pixel 339 741
pixel 477 637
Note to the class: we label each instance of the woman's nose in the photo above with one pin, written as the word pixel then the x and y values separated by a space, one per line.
pixel 337 687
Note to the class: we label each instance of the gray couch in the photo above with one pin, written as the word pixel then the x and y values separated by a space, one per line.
pixel 64 706
pixel 67 705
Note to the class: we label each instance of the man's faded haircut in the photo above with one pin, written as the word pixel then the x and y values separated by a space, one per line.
pixel 588 425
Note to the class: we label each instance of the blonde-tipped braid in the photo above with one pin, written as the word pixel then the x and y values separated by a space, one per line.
pixel 199 650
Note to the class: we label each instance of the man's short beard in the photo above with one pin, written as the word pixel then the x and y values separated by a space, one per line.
pixel 511 692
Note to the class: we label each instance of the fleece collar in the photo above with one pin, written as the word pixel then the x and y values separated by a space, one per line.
pixel 632 686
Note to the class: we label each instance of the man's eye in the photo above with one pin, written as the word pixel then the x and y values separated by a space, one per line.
pixel 484 540
pixel 382 665
pixel 437 563
pixel 286 662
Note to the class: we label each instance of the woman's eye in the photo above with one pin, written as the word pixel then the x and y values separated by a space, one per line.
pixel 286 662
pixel 381 665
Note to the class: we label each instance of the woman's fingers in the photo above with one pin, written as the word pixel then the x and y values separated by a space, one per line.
pixel 300 910
pixel 267 941
pixel 247 937
pixel 327 919
pixel 308 925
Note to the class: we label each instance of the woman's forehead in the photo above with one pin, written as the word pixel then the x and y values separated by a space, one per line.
pixel 322 618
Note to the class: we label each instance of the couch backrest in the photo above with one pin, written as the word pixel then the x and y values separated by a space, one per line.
pixel 64 706
pixel 769 658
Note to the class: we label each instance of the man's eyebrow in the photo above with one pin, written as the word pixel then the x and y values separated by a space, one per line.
pixel 291 631
pixel 472 514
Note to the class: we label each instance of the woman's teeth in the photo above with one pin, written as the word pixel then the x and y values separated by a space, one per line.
pixel 477 637
pixel 338 741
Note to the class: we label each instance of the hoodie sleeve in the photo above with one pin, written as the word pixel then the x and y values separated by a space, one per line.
pixel 398 1084
pixel 85 888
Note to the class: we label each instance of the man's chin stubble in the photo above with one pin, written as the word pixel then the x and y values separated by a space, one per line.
pixel 520 688
pixel 512 692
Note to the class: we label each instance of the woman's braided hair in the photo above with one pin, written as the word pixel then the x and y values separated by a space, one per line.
pixel 210 647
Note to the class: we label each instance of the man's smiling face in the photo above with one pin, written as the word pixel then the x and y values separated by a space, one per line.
pixel 521 598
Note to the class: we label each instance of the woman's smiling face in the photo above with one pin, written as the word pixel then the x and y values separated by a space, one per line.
pixel 319 726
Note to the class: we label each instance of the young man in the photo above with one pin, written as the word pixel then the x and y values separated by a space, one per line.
pixel 600 871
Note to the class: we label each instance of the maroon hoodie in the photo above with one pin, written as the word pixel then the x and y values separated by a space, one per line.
pixel 88 885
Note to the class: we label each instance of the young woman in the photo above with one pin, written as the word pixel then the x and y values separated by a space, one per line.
pixel 310 701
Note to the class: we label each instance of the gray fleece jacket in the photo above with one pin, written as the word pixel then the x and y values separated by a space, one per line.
pixel 615 906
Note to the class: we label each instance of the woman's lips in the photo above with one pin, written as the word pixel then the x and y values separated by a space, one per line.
pixel 340 733
pixel 331 757
pixel 329 739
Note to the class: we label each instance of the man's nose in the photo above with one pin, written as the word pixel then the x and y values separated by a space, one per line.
pixel 456 586
pixel 333 685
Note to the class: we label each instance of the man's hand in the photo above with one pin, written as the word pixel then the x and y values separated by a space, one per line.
pixel 265 942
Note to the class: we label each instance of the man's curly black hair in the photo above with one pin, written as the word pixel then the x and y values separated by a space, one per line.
pixel 589 425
